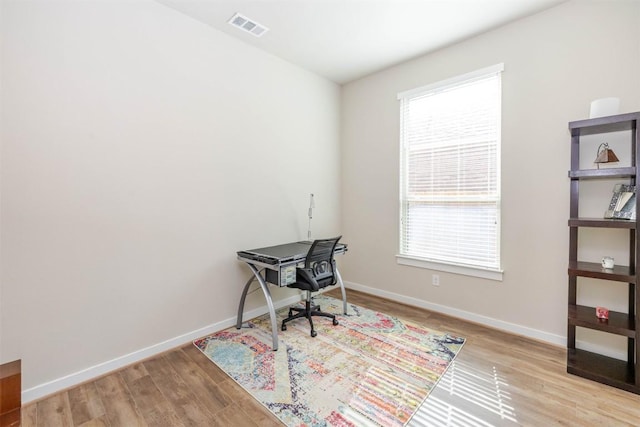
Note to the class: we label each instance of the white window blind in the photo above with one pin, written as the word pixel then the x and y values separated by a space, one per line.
pixel 450 171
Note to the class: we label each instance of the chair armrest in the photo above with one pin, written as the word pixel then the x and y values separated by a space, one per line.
pixel 306 274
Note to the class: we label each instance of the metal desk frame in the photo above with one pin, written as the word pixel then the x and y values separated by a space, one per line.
pixel 258 273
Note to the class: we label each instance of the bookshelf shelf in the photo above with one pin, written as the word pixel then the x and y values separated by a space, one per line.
pixel 602 223
pixel 627 172
pixel 603 369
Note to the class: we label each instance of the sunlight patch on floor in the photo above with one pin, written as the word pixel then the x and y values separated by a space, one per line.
pixel 467 396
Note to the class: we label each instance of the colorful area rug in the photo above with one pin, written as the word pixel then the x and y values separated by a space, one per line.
pixel 372 369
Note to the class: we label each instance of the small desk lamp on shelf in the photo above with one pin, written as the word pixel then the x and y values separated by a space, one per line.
pixel 605 155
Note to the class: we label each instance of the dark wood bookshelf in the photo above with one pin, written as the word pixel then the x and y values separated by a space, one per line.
pixel 598 367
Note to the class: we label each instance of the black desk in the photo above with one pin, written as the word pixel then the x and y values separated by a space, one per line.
pixel 277 265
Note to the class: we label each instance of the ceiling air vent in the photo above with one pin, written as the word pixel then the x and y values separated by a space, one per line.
pixel 248 25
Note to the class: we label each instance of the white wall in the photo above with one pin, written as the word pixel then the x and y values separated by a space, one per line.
pixel 140 150
pixel 556 62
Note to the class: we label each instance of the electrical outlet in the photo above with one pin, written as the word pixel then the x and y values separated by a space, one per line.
pixel 435 280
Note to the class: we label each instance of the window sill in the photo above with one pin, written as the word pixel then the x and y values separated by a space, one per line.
pixel 483 273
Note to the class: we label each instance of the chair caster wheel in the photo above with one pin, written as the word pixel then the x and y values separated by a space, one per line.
pixel 335 322
pixel 284 327
pixel 314 333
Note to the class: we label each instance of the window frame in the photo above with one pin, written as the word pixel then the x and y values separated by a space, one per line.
pixel 440 265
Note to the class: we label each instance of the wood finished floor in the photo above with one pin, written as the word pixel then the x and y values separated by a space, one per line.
pixel 498 379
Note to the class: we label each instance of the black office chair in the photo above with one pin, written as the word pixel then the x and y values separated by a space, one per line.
pixel 319 272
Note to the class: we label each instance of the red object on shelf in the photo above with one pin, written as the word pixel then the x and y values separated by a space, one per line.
pixel 602 313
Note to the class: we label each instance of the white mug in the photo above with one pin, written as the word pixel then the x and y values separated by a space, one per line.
pixel 607 262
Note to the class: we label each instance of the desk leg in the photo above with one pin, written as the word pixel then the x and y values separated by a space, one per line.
pixel 344 292
pixel 267 295
pixel 244 296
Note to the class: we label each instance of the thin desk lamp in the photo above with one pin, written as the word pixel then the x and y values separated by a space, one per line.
pixel 311 206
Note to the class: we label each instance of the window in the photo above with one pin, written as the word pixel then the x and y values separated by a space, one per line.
pixel 450 174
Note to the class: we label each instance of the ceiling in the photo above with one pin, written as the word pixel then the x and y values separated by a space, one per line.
pixel 344 40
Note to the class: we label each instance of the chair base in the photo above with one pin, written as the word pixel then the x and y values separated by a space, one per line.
pixel 308 311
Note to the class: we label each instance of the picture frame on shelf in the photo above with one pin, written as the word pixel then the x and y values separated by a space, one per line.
pixel 623 203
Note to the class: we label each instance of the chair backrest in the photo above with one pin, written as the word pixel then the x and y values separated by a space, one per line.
pixel 320 261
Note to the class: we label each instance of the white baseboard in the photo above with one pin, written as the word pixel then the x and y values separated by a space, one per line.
pixel 59 384
pixel 513 328
pixel 466 315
